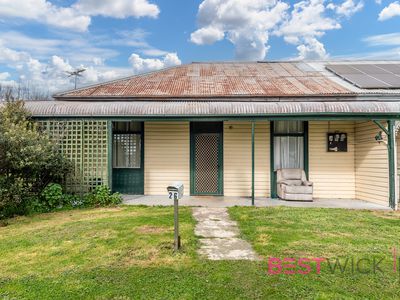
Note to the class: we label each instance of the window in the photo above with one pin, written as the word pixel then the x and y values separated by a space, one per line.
pixel 288 127
pixel 288 144
pixel 126 150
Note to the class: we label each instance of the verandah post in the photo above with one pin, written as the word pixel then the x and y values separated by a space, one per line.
pixel 392 164
pixel 252 161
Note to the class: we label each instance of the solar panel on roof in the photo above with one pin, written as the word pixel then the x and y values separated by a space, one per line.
pixel 343 69
pixel 369 76
pixel 365 82
pixel 371 69
pixel 394 81
pixel 393 68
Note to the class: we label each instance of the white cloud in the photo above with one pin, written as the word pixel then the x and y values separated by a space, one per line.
pixel 4 82
pixel 136 39
pixel 311 49
pixel 10 56
pixel 4 76
pixel 389 39
pixel 43 11
pixel 388 47
pixel 307 23
pixel 141 65
pixel 78 16
pixel 37 46
pixel 51 75
pixel 118 8
pixel 43 63
pixel 75 48
pixel 390 11
pixel 246 24
pixel 207 35
pixel 347 8
pixel 386 54
pixel 307 20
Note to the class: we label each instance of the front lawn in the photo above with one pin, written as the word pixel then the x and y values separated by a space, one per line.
pixel 127 252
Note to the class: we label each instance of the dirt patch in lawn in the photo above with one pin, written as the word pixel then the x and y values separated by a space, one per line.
pixel 148 229
pixel 387 214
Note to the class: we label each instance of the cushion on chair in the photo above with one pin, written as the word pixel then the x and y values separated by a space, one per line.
pixel 297 189
pixel 291 173
pixel 290 182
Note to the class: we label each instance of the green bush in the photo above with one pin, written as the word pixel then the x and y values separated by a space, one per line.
pixel 102 196
pixel 29 161
pixel 53 195
pixel 72 201
pixel 52 198
pixel 13 193
pixel 32 168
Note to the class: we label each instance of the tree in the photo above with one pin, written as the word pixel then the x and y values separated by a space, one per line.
pixel 29 159
pixel 22 91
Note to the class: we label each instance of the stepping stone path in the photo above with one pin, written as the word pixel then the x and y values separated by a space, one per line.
pixel 219 236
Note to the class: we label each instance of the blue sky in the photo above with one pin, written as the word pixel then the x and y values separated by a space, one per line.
pixel 40 40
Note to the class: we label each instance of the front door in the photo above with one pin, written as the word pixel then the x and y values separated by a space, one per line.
pixel 128 158
pixel 206 142
pixel 289 148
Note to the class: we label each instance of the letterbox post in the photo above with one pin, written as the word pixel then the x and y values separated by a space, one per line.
pixel 177 238
pixel 175 191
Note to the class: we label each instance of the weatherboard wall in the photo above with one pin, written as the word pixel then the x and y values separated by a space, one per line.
pixel 237 159
pixel 371 165
pixel 333 173
pixel 167 156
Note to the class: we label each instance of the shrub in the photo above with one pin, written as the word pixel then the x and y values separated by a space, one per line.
pixel 102 196
pixel 29 160
pixel 72 201
pixel 13 192
pixel 52 198
pixel 53 195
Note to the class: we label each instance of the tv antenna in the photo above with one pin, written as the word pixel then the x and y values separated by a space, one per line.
pixel 76 74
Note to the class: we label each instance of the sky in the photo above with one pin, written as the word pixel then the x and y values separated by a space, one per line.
pixel 42 40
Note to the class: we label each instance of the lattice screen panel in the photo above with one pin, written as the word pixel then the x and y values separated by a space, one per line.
pixel 206 163
pixel 85 143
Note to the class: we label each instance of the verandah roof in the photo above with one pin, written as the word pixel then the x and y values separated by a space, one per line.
pixel 208 109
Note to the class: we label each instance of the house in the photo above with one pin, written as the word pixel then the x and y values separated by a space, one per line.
pixel 225 128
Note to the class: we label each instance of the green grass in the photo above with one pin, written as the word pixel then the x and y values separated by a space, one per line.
pixel 332 234
pixel 127 253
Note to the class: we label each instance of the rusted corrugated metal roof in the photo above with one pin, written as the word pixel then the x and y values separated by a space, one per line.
pixel 217 80
pixel 203 108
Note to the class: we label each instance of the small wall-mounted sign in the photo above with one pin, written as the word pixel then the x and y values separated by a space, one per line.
pixel 337 142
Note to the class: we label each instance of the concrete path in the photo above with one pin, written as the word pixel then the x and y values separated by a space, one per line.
pixel 219 236
pixel 222 201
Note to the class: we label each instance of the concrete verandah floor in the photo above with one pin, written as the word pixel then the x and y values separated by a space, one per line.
pixel 223 201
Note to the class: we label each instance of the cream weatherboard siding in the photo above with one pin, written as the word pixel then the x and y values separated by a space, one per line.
pixel 372 183
pixel 237 159
pixel 167 156
pixel 332 172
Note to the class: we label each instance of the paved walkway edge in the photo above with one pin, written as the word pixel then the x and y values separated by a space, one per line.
pixel 219 236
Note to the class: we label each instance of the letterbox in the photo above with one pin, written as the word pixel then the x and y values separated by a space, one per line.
pixel 175 191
